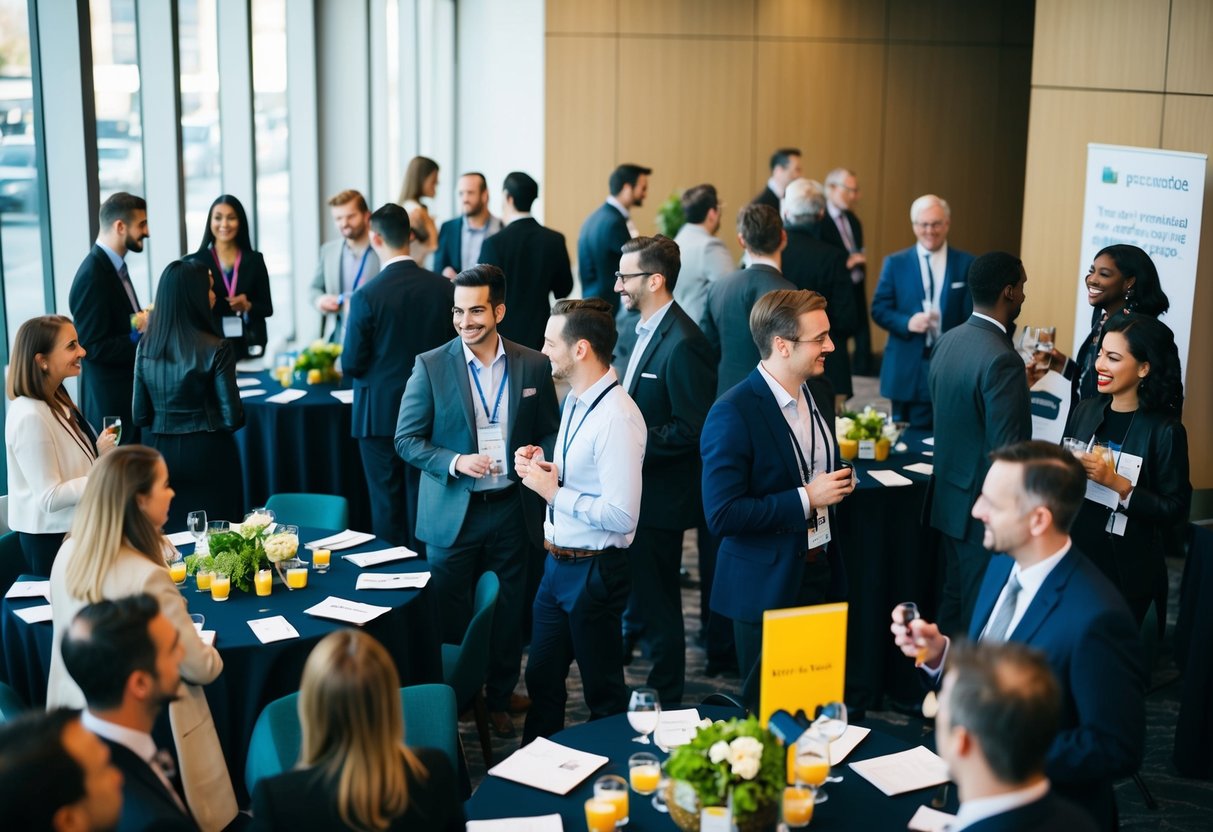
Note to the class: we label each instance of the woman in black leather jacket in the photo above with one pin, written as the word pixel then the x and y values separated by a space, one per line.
pixel 185 390
pixel 1138 412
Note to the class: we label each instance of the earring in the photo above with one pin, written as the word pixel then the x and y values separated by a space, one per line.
pixel 46 368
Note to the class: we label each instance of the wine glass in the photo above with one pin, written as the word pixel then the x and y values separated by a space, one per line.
pixel 831 723
pixel 1027 343
pixel 195 521
pixel 114 422
pixel 644 710
pixel 812 763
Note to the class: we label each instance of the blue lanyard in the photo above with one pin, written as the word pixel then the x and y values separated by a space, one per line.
pixel 361 267
pixel 500 389
pixel 569 436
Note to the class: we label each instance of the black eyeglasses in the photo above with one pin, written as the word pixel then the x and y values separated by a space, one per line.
pixel 821 339
pixel 622 276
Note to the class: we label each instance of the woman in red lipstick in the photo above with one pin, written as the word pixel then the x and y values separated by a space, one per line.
pixel 1137 412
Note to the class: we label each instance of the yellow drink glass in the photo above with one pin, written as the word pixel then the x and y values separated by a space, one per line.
pixel 321 559
pixel 614 790
pixel 203 577
pixel 644 773
pixel 221 587
pixel 176 571
pixel 263 581
pixel 811 771
pixel 797 807
pixel 296 576
pixel 599 815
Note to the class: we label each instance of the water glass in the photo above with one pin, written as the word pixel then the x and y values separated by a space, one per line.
pixel 195 521
pixel 644 711
pixel 1074 446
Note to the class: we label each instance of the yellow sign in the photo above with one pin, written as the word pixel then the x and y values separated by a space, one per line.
pixel 804 658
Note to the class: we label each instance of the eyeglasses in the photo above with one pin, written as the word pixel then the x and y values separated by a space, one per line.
pixel 930 226
pixel 820 339
pixel 622 276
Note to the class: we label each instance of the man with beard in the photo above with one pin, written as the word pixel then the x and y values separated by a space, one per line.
pixel 345 264
pixel 108 317
pixel 460 239
pixel 606 230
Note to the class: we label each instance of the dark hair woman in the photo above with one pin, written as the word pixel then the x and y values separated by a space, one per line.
pixel 242 284
pixel 185 389
pixel 1130 505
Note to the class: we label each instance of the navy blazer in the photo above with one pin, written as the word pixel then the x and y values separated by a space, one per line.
pixel 899 295
pixel 450 243
pixel 146 804
pixel 1082 625
pixel 598 251
pixel 1049 814
pixel 403 312
pixel 751 498
pixel 102 313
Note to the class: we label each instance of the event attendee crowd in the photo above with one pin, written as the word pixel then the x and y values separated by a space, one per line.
pixel 567 448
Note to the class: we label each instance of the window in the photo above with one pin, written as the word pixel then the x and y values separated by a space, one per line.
pixel 200 148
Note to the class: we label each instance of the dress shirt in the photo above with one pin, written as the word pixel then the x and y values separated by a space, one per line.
pixel 397 259
pixel 972 811
pixel 996 323
pixel 351 263
pixel 799 414
pixel 627 215
pixel 848 237
pixel 775 187
pixel 140 744
pixel 470 241
pixel 491 378
pixel 644 334
pixel 598 503
pixel 939 269
pixel 119 265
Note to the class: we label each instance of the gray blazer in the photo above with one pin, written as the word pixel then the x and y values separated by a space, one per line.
pixel 726 321
pixel 437 422
pixel 705 259
pixel 327 281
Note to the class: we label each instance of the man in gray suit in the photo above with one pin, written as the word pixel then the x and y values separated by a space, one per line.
pixel 979 393
pixel 726 321
pixel 345 264
pixel 704 258
pixel 467 405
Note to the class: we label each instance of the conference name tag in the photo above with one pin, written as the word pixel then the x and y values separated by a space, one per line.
pixel 490 439
pixel 819 528
pixel 233 326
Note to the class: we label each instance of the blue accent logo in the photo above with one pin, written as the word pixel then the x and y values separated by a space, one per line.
pixel 1109 176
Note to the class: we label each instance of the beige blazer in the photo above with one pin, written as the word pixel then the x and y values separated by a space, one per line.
pixel 47 468
pixel 204 774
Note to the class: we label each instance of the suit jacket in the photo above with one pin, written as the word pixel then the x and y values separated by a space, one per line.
pixel 766 197
pixel 431 430
pixel 751 498
pixel 147 805
pixel 402 313
pixel 253 281
pixel 102 314
pixel 536 262
pixel 810 263
pixel 598 251
pixel 674 386
pixel 705 259
pixel 1049 814
pixel 831 235
pixel 48 468
pixel 726 324
pixel 980 396
pixel 1081 624
pixel 450 243
pixel 899 295
pixel 327 281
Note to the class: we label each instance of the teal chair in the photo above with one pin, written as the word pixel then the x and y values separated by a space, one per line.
pixel 11 705
pixel 323 511
pixel 430 720
pixel 465 666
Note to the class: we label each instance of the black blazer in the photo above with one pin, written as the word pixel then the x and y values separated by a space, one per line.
pixel 726 321
pixel 302 800
pixel 252 281
pixel 146 805
pixel 402 313
pixel 535 261
pixel 830 234
pixel 766 197
pixel 450 243
pixel 811 263
pixel 598 251
pixel 674 386
pixel 1049 814
pixel 102 314
pixel 197 394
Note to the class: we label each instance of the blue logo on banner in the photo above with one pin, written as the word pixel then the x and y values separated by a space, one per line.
pixel 1109 176
pixel 1045 405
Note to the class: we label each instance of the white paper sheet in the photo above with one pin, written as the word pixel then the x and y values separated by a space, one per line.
pixel 180 538
pixel 921 468
pixel 351 612
pixel 274 628
pixel 548 766
pixel 342 540
pixel 930 440
pixel 844 745
pixel 392 580
pixel 540 823
pixel 365 559
pixel 343 396
pixel 890 478
pixel 208 637
pixel 249 392
pixel 905 771
pixel 32 615
pixel 287 396
pixel 30 589
pixel 1129 467
pixel 248 382
pixel 250 365
pixel 676 727
pixel 927 819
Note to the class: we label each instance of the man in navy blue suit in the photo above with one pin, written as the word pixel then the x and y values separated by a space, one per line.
pixel 1046 594
pixel 921 295
pixel 461 239
pixel 772 476
pixel 606 230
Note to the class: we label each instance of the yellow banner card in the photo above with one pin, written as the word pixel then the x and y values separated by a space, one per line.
pixel 804 657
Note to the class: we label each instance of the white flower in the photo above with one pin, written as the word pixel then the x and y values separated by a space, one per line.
pixel 280 547
pixel 719 752
pixel 744 747
pixel 747 767
pixel 705 723
pixel 258 520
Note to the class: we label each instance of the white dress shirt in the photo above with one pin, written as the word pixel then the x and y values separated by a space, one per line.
pixel 939 270
pixel 599 455
pixel 140 744
pixel 644 334
pixel 972 811
pixel 994 321
pixel 805 420
pixel 491 379
pixel 627 215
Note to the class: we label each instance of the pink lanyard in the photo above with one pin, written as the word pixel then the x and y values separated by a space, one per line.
pixel 229 283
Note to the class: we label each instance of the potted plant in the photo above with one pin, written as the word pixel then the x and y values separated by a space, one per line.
pixel 863 434
pixel 670 217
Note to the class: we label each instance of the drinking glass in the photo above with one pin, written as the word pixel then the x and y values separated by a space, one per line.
pixel 1028 338
pixel 296 573
pixel 218 527
pixel 909 612
pixel 1074 446
pixel 1044 346
pixel 613 789
pixel 831 723
pixel 644 710
pixel 196 523
pixel 1104 451
pixel 599 815
pixel 114 422
pixel 321 558
pixel 176 568
pixel 203 578
pixel 811 764
pixel 644 773
pixel 263 582
pixel 199 620
pixel 221 586
pixel 798 806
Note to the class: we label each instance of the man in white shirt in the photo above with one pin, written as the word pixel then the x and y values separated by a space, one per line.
pixel 592 488
pixel 345 264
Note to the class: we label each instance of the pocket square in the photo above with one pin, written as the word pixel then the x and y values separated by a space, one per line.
pixel 527 392
pixel 648 375
pixel 959 284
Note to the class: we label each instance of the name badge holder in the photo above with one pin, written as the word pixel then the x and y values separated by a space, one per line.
pixel 819 519
pixel 490 438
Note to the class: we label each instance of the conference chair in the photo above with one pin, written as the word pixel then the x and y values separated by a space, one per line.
pixel 11 705
pixel 324 511
pixel 465 666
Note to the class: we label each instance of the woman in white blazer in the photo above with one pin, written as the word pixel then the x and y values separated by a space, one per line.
pixel 50 446
pixel 124 507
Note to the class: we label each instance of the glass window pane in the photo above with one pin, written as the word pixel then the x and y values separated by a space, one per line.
pixel 199 49
pixel 273 180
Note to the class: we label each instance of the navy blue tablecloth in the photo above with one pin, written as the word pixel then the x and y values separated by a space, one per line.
pixel 854 803
pixel 301 446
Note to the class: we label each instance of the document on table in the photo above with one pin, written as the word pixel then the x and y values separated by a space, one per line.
pixel 249 392
pixel 548 766
pixel 930 440
pixel 342 540
pixel 286 396
pixel 248 382
pixel 380 557
pixel 927 819
pixel 541 823
pixel 343 396
pixel 180 538
pixel 844 745
pixel 391 580
pixel 351 612
pixel 905 771
pixel 30 589
pixel 274 628
pixel 921 468
pixel 676 727
pixel 32 615
pixel 890 478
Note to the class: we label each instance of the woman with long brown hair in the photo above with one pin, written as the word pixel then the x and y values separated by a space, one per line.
pixel 420 182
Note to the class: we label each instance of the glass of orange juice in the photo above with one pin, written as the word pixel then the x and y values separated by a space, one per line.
pixel 263 581
pixel 798 806
pixel 813 763
pixel 644 773
pixel 203 578
pixel 221 587
pixel 321 559
pixel 599 815
pixel 176 571
pixel 613 789
pixel 296 573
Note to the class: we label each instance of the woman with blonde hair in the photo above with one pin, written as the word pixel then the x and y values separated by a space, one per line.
pixel 50 446
pixel 121 552
pixel 420 182
pixel 355 771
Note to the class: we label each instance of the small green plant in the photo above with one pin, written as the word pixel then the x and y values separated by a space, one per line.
pixel 670 217
pixel 739 756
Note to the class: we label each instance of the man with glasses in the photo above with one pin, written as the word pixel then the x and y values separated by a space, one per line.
pixel 921 295
pixel 843 229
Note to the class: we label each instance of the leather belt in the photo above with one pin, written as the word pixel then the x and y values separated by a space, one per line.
pixel 561 553
pixel 815 554
pixel 496 495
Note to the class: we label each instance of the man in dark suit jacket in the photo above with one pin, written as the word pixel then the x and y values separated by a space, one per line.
pixel 535 261
pixel 1046 594
pixel 811 263
pixel 606 230
pixel 402 313
pixel 461 240
pixel 726 323
pixel 980 393
pixel 102 302
pixel 840 227
pixel 921 295
pixel 999 710
pixel 472 514
pixel 785 168
pixel 672 378
pixel 772 476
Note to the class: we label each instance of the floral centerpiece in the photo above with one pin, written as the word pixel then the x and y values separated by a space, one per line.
pixel 868 434
pixel 738 757
pixel 245 549
pixel 318 361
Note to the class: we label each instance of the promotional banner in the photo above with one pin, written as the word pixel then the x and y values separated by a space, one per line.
pixel 804 658
pixel 1150 198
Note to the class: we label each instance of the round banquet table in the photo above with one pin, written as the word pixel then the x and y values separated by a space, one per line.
pixel 255 674
pixel 854 803
pixel 300 446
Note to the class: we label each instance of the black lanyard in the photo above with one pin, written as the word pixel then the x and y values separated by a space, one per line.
pixel 806 468
pixel 569 436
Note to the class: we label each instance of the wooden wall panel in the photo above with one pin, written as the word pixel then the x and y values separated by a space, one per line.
pixel 947 21
pixel 1102 44
pixel 583 16
pixel 687 18
pixel 822 18
pixel 1190 59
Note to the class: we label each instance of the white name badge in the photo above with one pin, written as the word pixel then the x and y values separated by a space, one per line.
pixel 233 326
pixel 819 527
pixel 1129 467
pixel 490 440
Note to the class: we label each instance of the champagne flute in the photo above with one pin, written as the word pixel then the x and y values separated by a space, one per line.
pixel 644 711
pixel 195 521
pixel 831 723
pixel 115 422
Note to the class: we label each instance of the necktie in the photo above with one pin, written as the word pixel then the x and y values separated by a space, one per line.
pixel 930 302
pixel 163 764
pixel 125 276
pixel 1002 620
pixel 844 228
